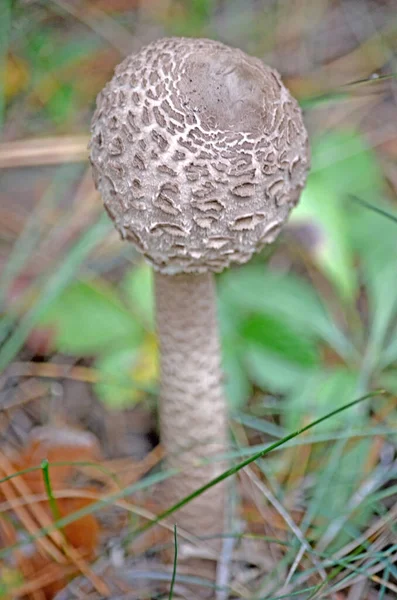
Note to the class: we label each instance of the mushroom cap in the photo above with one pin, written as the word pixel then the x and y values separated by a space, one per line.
pixel 199 152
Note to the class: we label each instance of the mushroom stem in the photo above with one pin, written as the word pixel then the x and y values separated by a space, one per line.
pixel 193 416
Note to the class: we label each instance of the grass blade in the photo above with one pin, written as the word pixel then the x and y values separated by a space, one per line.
pixel 52 288
pixel 171 595
pixel 33 229
pixel 158 477
pixel 235 469
pixel 374 208
pixel 45 469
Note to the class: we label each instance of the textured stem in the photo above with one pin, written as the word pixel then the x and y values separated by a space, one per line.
pixel 193 420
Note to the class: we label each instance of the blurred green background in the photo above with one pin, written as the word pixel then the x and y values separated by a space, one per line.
pixel 306 326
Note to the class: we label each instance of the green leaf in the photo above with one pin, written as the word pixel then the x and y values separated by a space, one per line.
pixel 236 382
pixel 127 373
pixel 61 104
pixel 320 391
pixel 346 164
pixel 342 166
pixel 69 52
pixel 138 289
pixel 115 387
pixel 325 210
pixel 375 239
pixel 255 289
pixel 88 317
pixel 192 19
pixel 200 10
pixel 273 373
pixel 280 338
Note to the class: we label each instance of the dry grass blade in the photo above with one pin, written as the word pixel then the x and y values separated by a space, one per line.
pixel 43 578
pixel 110 30
pixel 55 545
pixel 129 472
pixel 374 531
pixel 53 371
pixel 17 487
pixel 57 371
pixel 289 521
pixel 367 571
pixel 44 151
pixel 386 584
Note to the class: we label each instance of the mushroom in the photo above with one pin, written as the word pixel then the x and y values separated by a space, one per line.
pixel 199 153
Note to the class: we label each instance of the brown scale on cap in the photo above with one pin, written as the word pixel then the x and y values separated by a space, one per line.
pixel 199 152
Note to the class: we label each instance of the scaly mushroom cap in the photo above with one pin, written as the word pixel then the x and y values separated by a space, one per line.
pixel 199 152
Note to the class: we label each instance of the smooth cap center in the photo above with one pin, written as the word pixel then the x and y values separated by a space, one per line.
pixel 226 93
